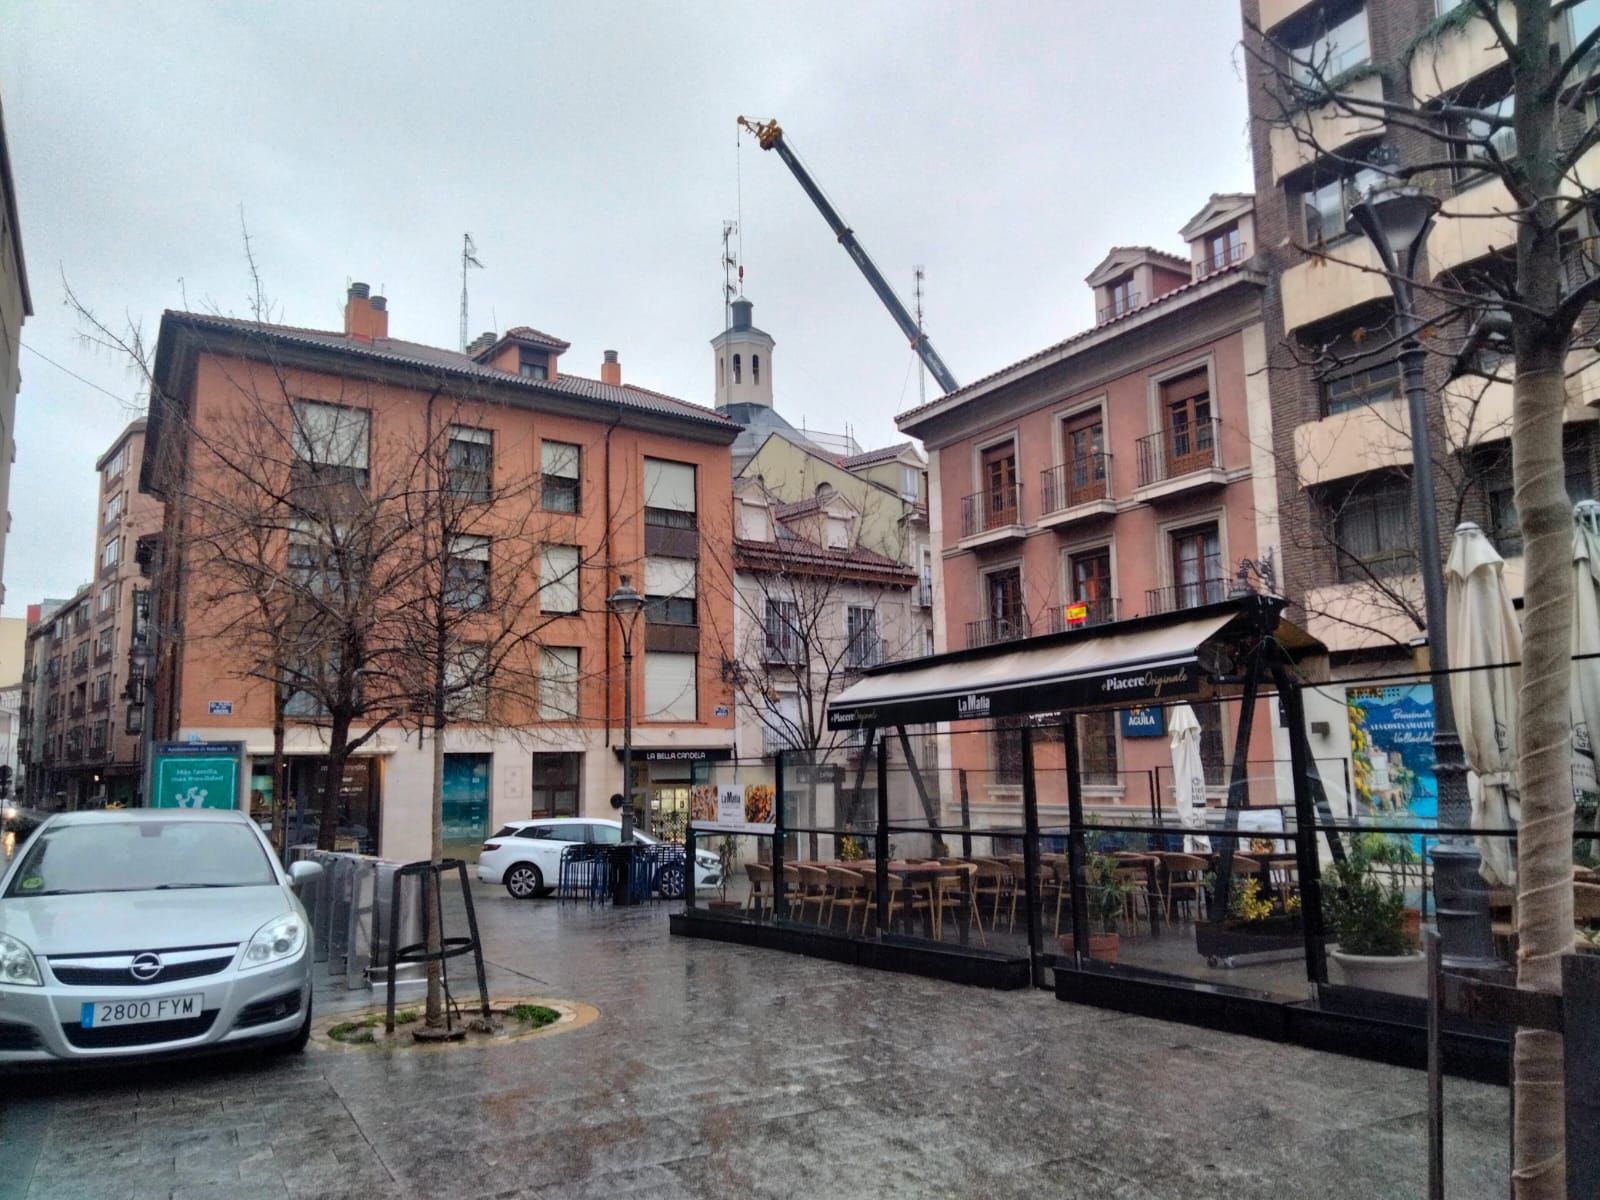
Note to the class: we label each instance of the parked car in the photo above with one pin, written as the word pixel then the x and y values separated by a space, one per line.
pixel 526 855
pixel 150 931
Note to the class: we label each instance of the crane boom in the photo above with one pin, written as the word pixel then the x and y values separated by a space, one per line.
pixel 771 138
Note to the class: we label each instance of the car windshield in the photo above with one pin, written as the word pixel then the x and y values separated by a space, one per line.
pixel 137 856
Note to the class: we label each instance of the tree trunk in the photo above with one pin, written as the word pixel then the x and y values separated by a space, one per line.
pixel 1544 755
pixel 333 786
pixel 430 917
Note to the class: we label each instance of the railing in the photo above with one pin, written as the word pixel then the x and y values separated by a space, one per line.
pixel 1080 614
pixel 102 656
pixel 774 740
pixel 925 592
pixel 1180 450
pixel 785 653
pixel 75 710
pixel 80 667
pixel 1118 308
pixel 1187 595
pixel 993 630
pixel 1230 257
pixel 1073 483
pixel 991 509
pixel 863 652
pixel 99 704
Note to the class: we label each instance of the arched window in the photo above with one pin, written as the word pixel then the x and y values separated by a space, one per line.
pixel 722 370
pixel 736 368
pixel 755 368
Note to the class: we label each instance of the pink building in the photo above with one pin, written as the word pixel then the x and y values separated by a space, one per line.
pixel 1122 472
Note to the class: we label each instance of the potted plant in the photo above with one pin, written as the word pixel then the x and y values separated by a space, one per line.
pixel 1395 852
pixel 1107 896
pixel 1255 920
pixel 1368 915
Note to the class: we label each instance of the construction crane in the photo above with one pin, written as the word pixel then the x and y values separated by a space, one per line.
pixel 770 137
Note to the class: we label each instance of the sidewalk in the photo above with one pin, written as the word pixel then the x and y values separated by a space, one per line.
pixel 720 1071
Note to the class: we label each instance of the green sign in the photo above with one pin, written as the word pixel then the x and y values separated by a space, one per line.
pixel 196 775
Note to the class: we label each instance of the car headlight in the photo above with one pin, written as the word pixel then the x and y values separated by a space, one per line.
pixel 708 861
pixel 17 966
pixel 275 941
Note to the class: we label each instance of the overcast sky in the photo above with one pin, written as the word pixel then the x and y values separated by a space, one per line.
pixel 590 150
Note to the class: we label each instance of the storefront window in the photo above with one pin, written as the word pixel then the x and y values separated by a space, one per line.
pixel 555 785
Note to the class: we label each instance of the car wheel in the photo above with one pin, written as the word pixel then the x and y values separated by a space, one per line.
pixel 670 881
pixel 524 881
pixel 297 1044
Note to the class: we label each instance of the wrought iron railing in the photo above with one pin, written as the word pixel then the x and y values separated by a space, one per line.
pixel 1180 450
pixel 1080 614
pixel 1212 590
pixel 1118 308
pixel 1220 260
pixel 1073 483
pixel 993 630
pixel 992 509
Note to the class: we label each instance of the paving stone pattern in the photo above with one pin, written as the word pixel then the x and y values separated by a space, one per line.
pixel 721 1071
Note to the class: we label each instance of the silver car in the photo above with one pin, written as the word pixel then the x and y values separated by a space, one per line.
pixel 150 931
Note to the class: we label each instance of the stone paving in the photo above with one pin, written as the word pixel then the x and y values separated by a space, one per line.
pixel 721 1071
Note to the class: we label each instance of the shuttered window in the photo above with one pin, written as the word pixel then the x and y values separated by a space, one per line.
pixel 558 579
pixel 669 493
pixel 669 687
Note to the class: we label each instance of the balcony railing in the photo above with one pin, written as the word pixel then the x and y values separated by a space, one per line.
pixel 789 652
pixel 1080 614
pixel 1073 483
pixel 80 667
pixel 1180 450
pixel 992 630
pixel 863 653
pixel 992 509
pixel 925 592
pixel 1185 595
pixel 1118 308
pixel 774 740
pixel 1221 260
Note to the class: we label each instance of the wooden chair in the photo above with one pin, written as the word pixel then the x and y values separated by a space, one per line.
pixel 1062 878
pixel 1186 881
pixel 1135 878
pixel 849 893
pixel 994 881
pixel 814 888
pixel 760 900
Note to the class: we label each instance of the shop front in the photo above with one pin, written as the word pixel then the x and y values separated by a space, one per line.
pixel 358 820
pixel 664 781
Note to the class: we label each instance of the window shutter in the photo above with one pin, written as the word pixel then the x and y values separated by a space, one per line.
pixel 668 485
pixel 558 579
pixel 559 459
pixel 669 577
pixel 669 687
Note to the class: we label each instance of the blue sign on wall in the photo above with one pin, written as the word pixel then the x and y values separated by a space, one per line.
pixel 1144 722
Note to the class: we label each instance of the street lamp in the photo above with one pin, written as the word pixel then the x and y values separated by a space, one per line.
pixel 625 604
pixel 1397 219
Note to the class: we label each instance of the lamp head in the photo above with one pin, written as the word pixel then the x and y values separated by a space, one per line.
pixel 1397 218
pixel 625 602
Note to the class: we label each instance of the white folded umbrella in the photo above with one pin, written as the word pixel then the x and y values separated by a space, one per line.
pixel 1586 641
pixel 1483 636
pixel 1188 775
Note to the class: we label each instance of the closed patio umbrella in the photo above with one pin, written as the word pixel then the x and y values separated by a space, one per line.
pixel 1188 775
pixel 1483 635
pixel 1586 640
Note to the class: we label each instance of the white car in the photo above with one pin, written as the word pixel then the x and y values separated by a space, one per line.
pixel 150 931
pixel 526 855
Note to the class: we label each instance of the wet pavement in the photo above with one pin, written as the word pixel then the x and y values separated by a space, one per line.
pixel 722 1071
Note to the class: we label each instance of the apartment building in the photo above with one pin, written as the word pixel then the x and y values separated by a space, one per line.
pixel 81 708
pixel 625 479
pixel 16 306
pixel 1339 425
pixel 1124 471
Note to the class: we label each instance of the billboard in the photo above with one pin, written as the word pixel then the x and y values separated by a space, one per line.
pixel 1391 750
pixel 196 774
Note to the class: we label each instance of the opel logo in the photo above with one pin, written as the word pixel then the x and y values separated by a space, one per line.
pixel 145 967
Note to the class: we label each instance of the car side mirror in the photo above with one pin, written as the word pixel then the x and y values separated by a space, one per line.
pixel 303 872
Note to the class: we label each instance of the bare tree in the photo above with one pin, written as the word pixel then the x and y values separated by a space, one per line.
pixel 1544 296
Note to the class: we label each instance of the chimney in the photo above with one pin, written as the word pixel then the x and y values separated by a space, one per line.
pixel 611 370
pixel 481 343
pixel 365 316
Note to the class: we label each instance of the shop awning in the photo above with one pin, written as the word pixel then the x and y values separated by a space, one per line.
pixel 1163 658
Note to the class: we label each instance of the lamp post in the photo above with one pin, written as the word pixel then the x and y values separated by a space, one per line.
pixel 625 604
pixel 1397 220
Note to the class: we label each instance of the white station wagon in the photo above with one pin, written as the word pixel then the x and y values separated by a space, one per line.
pixel 526 855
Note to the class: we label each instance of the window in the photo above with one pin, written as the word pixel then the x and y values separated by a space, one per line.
pixel 118 463
pixel 108 599
pixel 1000 485
pixel 863 649
pixel 113 508
pixel 1003 593
pixel 736 368
pixel 669 590
pixel 1487 135
pixel 755 368
pixel 558 579
pixel 605 835
pixel 1090 574
pixel 1082 475
pixel 1213 742
pixel 1005 750
pixel 1504 528
pixel 1358 365
pixel 669 686
pixel 1223 248
pixel 1122 296
pixel 1329 193
pixel 1372 531
pixel 106 642
pixel 928 647
pixel 669 492
pixel 314 565
pixel 466 683
pixel 555 785
pixel 558 683
pixel 1197 572
pixel 111 554
pixel 332 440
pixel 469 462
pixel 1097 748
pixel 1339 46
pixel 467 572
pixel 533 365
pixel 1583 17
pixel 910 483
pixel 784 641
pixel 102 688
pixel 559 462
pixel 1191 432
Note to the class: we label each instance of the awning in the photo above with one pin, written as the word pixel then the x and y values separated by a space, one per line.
pixel 1109 666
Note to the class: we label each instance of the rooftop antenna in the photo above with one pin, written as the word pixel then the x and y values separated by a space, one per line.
pixel 732 272
pixel 922 373
pixel 469 258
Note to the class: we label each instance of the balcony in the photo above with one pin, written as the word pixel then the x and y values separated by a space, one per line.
pixel 925 591
pixel 1180 459
pixel 1326 129
pixel 1121 308
pixel 1443 63
pixel 80 667
pixel 75 710
pixel 1076 490
pixel 991 516
pixel 1347 275
pixel 1368 437
pixel 863 653
pixel 1185 595
pixel 774 740
pixel 100 704
pixel 788 652
pixel 1081 614
pixel 1220 260
pixel 991 631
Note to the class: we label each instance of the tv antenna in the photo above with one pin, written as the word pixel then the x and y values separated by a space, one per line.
pixel 922 372
pixel 469 258
pixel 732 272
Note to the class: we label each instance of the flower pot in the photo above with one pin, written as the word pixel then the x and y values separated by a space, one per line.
pixel 1411 927
pixel 1401 974
pixel 1103 947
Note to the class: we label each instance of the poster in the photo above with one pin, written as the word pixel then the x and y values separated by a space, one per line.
pixel 738 809
pixel 196 775
pixel 1391 750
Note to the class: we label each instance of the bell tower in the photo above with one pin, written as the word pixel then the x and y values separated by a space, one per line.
pixel 742 359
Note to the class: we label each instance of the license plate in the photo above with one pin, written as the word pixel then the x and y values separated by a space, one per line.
pixel 102 1013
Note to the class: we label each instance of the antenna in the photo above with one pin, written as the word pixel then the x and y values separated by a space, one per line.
pixel 922 373
pixel 730 265
pixel 469 258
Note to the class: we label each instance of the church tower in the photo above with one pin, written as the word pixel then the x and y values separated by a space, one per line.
pixel 742 356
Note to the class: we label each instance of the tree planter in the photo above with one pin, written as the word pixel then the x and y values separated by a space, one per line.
pixel 1103 947
pixel 1229 938
pixel 1401 975
pixel 1411 927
